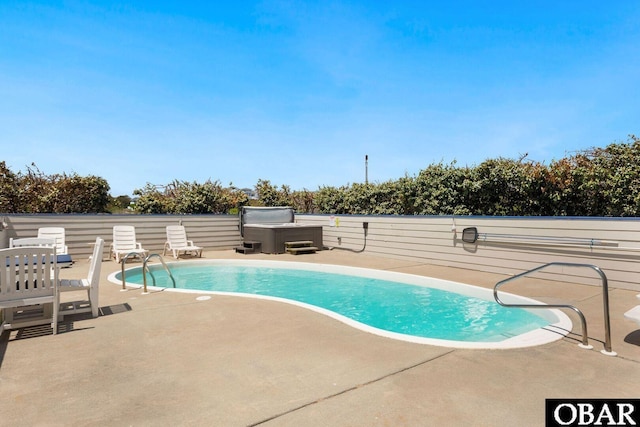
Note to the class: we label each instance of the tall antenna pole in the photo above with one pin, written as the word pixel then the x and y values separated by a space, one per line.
pixel 366 168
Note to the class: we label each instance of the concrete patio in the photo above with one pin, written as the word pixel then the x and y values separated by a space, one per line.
pixel 168 359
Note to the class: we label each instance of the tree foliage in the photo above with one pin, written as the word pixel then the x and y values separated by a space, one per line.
pixel 594 182
pixel 36 192
pixel 269 195
pixel 181 197
pixel 8 190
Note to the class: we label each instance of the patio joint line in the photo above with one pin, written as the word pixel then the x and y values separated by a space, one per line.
pixel 347 390
pixel 401 267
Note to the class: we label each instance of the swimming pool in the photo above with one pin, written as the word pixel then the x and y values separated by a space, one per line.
pixel 396 305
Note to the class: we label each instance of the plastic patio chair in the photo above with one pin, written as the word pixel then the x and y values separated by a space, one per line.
pixel 177 242
pixel 124 243
pixel 57 234
pixel 28 279
pixel 90 285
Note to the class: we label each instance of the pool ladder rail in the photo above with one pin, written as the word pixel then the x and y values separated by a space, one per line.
pixel 605 302
pixel 145 269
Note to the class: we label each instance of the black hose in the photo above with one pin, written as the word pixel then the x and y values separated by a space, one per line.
pixel 356 250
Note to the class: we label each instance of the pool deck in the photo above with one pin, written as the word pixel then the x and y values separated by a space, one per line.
pixel 168 359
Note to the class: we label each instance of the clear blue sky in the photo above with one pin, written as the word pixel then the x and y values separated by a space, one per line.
pixel 298 93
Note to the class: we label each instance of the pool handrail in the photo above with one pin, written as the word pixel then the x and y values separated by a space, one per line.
pixel 605 301
pixel 145 268
pixel 122 261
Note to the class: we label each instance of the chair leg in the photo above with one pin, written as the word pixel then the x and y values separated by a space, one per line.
pixel 93 300
pixel 56 309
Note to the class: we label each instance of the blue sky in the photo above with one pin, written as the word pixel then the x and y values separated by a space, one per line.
pixel 298 93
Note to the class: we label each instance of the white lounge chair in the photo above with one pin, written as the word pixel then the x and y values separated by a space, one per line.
pixel 28 282
pixel 90 285
pixel 124 243
pixel 177 242
pixel 57 234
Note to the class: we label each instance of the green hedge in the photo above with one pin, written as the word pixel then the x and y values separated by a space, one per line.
pixel 35 192
pixel 595 182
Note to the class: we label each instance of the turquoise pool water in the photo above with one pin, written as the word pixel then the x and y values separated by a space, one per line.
pixel 386 305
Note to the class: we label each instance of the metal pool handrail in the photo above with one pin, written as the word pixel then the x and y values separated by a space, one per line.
pixel 122 261
pixel 605 301
pixel 145 268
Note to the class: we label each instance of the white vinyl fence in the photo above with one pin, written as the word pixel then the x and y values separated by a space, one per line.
pixel 208 231
pixel 505 245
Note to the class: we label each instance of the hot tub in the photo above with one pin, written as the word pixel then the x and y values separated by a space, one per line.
pixel 273 226
pixel 273 236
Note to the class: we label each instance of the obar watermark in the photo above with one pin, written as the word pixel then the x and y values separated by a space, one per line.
pixel 592 412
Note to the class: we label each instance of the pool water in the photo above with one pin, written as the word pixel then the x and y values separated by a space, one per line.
pixel 392 306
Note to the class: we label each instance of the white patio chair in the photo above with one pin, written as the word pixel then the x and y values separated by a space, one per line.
pixel 56 233
pixel 90 285
pixel 124 243
pixel 28 279
pixel 177 242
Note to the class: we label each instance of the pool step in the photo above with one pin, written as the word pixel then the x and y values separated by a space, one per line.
pixel 248 247
pixel 300 247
